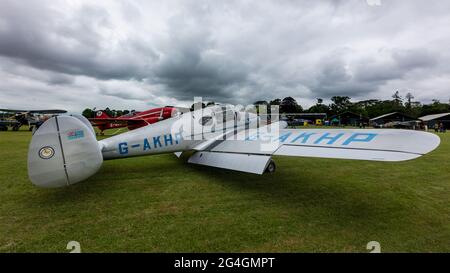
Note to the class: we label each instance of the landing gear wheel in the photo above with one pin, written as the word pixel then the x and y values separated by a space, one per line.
pixel 271 167
pixel 16 128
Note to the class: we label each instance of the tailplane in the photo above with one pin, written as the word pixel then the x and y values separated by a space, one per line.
pixel 63 151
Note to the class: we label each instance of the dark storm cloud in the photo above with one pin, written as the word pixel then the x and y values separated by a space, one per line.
pixel 191 66
pixel 231 51
pixel 365 76
pixel 48 39
pixel 189 74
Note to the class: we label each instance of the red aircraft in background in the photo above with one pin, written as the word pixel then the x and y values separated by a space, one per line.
pixel 133 120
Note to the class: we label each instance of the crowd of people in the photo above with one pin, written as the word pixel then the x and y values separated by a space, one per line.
pixel 439 128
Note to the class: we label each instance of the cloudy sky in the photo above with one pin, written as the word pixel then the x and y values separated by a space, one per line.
pixel 138 54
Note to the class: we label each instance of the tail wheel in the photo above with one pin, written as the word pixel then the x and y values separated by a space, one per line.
pixel 271 167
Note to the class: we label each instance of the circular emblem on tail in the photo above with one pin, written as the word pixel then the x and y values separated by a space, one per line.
pixel 46 152
pixel 99 113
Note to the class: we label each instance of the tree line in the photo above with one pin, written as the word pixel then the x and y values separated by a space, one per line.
pixel 367 108
pixel 90 113
pixel 339 104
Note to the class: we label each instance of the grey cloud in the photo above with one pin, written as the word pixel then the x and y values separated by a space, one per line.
pixel 414 58
pixel 36 34
pixel 229 51
pixel 191 65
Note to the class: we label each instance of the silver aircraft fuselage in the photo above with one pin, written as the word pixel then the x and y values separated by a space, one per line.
pixel 176 134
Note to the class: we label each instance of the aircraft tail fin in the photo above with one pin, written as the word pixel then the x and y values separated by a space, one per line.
pixel 63 151
pixel 101 115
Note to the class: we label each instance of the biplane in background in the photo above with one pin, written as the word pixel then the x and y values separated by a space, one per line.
pixel 134 119
pixel 32 118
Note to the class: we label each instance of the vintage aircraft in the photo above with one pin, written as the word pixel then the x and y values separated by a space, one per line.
pixel 64 150
pixel 32 118
pixel 132 120
pixel 4 124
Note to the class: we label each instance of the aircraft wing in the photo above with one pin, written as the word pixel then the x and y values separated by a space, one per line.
pixel 253 152
pixel 117 120
pixel 12 111
pixel 53 111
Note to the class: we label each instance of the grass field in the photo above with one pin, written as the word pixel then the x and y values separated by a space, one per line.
pixel 160 204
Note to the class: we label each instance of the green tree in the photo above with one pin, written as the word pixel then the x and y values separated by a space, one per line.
pixel 88 113
pixel 275 102
pixel 290 105
pixel 319 108
pixel 108 112
pixel 409 97
pixel 397 98
pixel 260 102
pixel 435 108
pixel 340 104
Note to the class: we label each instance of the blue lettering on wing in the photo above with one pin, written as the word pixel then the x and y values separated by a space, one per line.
pixel 305 137
pixel 123 148
pixel 135 146
pixel 252 137
pixel 284 137
pixel 360 137
pixel 267 137
pixel 157 141
pixel 331 139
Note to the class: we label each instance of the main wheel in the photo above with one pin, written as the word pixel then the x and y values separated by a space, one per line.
pixel 271 167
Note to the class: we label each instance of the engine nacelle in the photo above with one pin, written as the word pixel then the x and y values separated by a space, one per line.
pixel 63 151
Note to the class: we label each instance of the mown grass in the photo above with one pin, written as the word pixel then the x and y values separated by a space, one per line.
pixel 161 204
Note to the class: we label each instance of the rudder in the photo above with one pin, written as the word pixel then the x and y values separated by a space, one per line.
pixel 63 151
